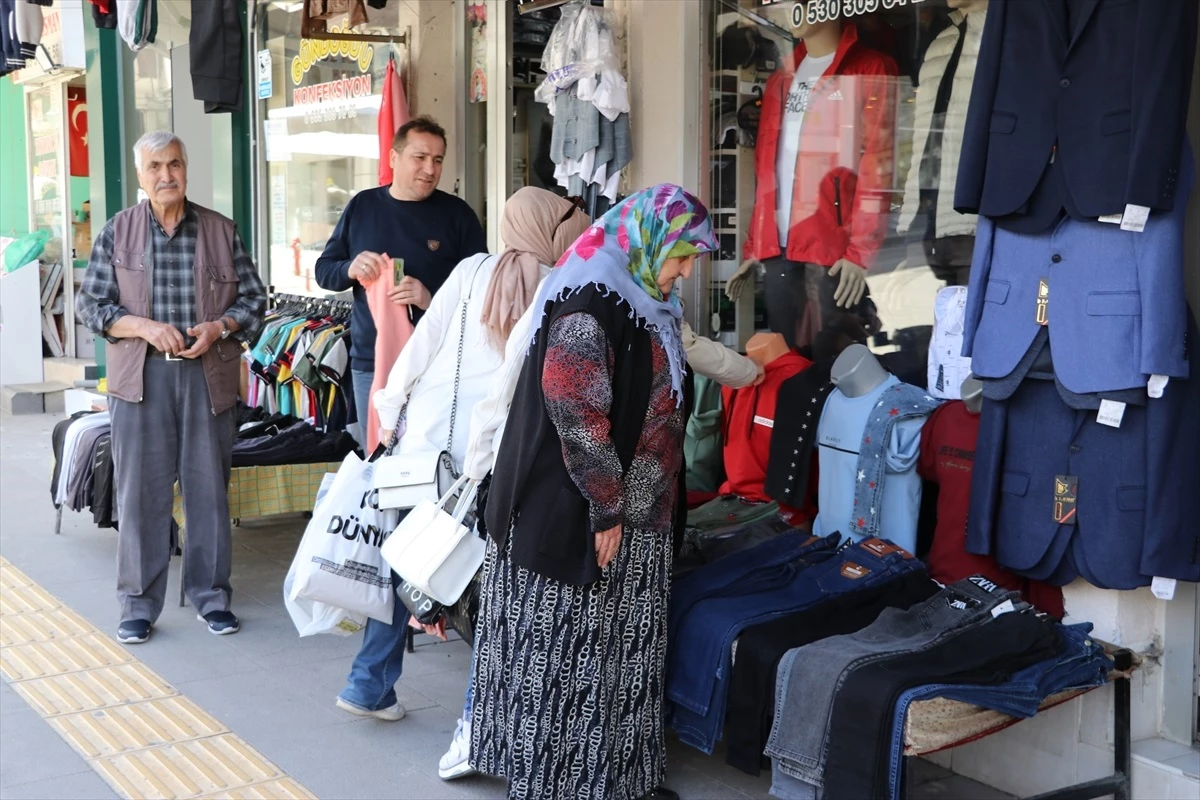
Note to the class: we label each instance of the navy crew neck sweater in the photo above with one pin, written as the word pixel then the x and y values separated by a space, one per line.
pixel 431 235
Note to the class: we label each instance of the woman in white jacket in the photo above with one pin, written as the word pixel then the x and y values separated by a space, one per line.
pixel 463 332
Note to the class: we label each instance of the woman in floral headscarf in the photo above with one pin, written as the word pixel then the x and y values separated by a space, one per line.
pixel 571 648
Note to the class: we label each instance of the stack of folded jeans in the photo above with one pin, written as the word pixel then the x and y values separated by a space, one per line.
pixel 702 547
pixel 759 649
pixel 715 604
pixel 1082 663
pixel 835 698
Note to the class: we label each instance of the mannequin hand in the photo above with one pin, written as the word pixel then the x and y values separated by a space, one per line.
pixel 607 543
pixel 745 274
pixel 852 283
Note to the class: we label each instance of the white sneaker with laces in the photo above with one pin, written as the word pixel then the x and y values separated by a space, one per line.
pixel 456 764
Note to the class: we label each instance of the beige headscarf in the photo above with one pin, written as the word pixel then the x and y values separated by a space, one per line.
pixel 537 228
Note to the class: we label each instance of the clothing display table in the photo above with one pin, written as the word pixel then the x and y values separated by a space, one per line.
pixel 266 491
pixel 940 724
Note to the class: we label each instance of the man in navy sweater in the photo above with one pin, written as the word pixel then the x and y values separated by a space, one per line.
pixel 411 219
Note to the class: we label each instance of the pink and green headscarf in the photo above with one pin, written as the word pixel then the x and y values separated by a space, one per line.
pixel 624 251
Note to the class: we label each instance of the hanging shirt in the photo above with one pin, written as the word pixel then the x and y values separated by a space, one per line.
pixel 840 437
pixel 795 105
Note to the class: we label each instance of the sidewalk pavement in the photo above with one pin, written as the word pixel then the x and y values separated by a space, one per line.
pixel 266 685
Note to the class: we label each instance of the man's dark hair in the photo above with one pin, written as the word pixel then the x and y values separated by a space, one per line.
pixel 421 124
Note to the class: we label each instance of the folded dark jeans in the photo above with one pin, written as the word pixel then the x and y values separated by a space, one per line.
pixel 765 562
pixel 1082 664
pixel 803 706
pixel 699 678
pixel 759 649
pixel 857 762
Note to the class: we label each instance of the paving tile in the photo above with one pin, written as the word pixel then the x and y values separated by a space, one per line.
pixel 93 689
pixel 59 656
pixel 41 626
pixel 197 768
pixel 135 726
pixel 278 789
pixel 32 751
pixel 85 785
pixel 18 599
pixel 10 701
pixel 447 687
pixel 268 708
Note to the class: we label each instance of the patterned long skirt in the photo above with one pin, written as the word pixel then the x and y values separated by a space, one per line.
pixel 569 680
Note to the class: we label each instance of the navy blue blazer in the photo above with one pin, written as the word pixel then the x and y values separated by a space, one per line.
pixel 1135 517
pixel 1111 92
pixel 1117 311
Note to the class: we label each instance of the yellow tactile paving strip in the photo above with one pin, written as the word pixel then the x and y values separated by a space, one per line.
pixel 136 730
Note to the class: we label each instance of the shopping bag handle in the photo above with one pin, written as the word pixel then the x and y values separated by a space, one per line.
pixel 453 490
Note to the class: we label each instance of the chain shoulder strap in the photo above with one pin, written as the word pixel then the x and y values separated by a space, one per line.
pixel 462 338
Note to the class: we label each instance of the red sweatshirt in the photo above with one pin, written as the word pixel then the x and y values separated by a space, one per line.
pixel 749 417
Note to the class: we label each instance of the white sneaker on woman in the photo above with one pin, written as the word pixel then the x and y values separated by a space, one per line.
pixel 456 764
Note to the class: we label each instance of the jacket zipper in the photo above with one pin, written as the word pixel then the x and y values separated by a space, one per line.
pixel 837 198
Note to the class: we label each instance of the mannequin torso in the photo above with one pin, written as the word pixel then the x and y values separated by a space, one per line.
pixel 856 371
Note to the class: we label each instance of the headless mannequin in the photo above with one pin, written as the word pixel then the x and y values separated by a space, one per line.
pixel 856 371
pixel 972 394
pixel 763 348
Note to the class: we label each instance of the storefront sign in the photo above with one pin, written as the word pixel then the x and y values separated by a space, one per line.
pixel 62 46
pixel 314 50
pixel 333 100
pixel 265 89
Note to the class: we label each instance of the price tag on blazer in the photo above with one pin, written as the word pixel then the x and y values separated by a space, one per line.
pixel 1134 218
pixel 1111 412
pixel 1066 494
pixel 1163 588
pixel 1156 384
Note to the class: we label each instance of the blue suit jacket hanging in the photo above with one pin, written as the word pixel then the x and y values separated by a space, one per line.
pixel 1135 516
pixel 1105 85
pixel 1116 306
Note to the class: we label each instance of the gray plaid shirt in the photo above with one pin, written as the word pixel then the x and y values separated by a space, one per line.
pixel 173 293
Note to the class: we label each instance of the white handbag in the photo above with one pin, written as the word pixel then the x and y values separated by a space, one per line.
pixel 433 549
pixel 404 481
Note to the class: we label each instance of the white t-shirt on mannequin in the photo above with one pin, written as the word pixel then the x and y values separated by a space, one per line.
pixel 794 107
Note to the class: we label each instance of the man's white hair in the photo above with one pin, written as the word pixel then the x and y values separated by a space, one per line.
pixel 156 142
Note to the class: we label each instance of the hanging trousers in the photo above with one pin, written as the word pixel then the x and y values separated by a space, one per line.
pixel 172 435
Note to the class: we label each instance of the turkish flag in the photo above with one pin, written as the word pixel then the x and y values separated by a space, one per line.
pixel 393 112
pixel 78 131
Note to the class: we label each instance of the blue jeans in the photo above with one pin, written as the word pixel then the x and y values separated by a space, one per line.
pixel 1082 664
pixel 702 651
pixel 361 381
pixel 380 661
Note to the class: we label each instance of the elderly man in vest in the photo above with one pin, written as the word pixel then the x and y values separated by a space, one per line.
pixel 172 289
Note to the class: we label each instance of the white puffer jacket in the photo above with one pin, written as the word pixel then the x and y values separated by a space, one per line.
pixel 937 57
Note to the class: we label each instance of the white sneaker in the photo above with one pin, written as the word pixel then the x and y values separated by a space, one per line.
pixel 456 764
pixel 389 714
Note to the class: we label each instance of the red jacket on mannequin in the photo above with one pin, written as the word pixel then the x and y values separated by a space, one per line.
pixel 847 128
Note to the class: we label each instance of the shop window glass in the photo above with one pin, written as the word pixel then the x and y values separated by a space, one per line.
pixel 842 155
pixel 320 140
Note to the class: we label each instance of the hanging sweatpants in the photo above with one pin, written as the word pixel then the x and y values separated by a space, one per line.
pixel 172 434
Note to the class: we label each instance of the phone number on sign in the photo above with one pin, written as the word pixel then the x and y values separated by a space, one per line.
pixel 827 10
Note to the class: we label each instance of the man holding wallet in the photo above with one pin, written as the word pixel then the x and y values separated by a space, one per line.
pixel 173 290
pixel 411 222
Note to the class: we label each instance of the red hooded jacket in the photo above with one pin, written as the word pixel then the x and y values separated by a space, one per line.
pixel 749 417
pixel 841 194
